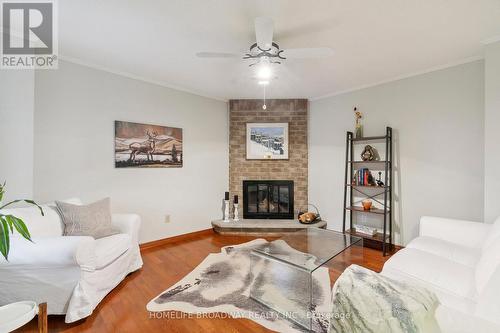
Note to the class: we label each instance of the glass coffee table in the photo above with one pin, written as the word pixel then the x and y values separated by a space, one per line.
pixel 285 270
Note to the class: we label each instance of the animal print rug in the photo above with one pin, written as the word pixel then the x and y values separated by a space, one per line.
pixel 223 282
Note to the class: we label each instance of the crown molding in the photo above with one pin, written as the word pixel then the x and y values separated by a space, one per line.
pixel 397 78
pixel 137 77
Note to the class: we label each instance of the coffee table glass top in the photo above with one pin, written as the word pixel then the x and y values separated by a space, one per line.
pixel 313 247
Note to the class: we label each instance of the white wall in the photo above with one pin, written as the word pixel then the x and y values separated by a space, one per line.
pixel 76 108
pixel 438 119
pixel 16 132
pixel 492 132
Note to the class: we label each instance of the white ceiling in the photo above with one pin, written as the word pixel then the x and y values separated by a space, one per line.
pixel 374 41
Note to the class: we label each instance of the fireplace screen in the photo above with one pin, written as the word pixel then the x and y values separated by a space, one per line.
pixel 268 199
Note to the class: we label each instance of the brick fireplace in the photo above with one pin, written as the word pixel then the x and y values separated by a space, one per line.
pixel 291 111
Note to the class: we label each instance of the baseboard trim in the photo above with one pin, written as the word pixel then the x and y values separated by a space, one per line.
pixel 169 240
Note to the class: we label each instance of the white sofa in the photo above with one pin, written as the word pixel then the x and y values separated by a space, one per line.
pixel 71 273
pixel 460 262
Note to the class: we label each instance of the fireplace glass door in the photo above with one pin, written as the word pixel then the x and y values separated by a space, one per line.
pixel 268 199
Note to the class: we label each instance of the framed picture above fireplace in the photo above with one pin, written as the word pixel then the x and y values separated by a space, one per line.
pixel 267 141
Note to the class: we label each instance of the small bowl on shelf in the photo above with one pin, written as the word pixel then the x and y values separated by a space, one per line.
pixel 367 204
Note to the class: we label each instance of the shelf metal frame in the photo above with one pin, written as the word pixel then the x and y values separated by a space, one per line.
pixel 349 188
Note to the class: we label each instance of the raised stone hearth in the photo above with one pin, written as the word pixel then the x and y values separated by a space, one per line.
pixel 262 227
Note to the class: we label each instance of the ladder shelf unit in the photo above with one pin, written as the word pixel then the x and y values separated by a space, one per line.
pixel 381 194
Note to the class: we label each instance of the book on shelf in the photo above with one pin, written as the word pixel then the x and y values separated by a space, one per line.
pixel 362 177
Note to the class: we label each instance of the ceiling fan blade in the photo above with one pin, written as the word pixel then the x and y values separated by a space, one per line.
pixel 316 52
pixel 264 27
pixel 217 55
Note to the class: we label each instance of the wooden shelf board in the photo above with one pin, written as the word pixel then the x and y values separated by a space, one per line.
pixel 371 211
pixel 368 186
pixel 378 237
pixel 369 162
pixel 369 138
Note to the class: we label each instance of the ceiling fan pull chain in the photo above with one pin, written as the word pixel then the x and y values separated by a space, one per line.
pixel 264 106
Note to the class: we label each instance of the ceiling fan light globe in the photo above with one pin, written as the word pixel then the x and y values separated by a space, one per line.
pixel 264 72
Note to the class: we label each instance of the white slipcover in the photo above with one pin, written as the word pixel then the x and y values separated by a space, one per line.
pixel 460 262
pixel 71 273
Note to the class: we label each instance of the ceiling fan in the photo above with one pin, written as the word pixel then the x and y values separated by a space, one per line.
pixel 266 50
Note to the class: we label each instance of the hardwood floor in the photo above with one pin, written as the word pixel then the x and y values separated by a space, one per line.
pixel 124 309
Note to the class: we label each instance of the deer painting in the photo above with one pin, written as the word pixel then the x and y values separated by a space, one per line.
pixel 146 147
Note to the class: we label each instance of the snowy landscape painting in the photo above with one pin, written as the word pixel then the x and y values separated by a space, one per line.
pixel 267 141
pixel 147 146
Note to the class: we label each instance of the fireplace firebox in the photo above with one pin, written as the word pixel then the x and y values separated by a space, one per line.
pixel 268 199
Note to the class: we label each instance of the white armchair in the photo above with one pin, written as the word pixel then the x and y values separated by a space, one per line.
pixel 71 273
pixel 460 262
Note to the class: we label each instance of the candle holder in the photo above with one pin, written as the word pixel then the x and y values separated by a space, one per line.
pixel 226 211
pixel 236 213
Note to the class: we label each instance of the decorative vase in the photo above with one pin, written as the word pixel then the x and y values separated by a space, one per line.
pixel 359 131
pixel 367 204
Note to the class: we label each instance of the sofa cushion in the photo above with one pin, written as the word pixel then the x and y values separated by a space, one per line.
pixel 433 271
pixel 87 220
pixel 108 249
pixel 488 304
pixel 446 298
pixel 49 225
pixel 454 321
pixel 460 254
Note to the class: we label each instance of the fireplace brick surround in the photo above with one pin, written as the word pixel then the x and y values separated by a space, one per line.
pixel 291 111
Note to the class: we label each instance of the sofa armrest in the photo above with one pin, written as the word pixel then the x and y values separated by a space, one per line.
pixel 128 224
pixel 466 233
pixel 51 251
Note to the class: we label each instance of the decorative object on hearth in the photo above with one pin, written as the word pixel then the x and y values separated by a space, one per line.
pixel 147 146
pixel 379 180
pixel 222 282
pixel 267 141
pixel 359 127
pixel 367 204
pixel 235 211
pixel 226 207
pixel 369 154
pixel 309 217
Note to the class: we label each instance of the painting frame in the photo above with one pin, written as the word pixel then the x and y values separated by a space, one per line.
pixel 141 145
pixel 267 141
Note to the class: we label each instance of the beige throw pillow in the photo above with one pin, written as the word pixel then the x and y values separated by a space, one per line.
pixel 87 220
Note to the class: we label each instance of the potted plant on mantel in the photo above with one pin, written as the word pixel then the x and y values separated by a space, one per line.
pixel 10 222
